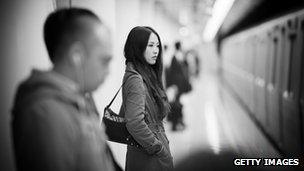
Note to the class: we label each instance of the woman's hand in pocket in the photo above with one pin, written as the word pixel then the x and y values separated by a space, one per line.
pixel 162 153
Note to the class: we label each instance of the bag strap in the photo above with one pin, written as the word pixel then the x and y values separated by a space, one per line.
pixel 117 93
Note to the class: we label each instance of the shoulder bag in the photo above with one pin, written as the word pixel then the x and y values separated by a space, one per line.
pixel 115 124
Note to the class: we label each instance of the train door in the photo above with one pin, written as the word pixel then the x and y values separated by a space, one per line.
pixel 256 44
pixel 249 78
pixel 268 80
pixel 242 58
pixel 237 63
pixel 260 65
pixel 290 85
pixel 253 52
pixel 273 87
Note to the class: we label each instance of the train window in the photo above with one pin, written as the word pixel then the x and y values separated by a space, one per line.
pixel 264 57
pixel 294 65
pixel 281 50
pixel 275 56
pixel 292 39
pixel 261 56
pixel 255 55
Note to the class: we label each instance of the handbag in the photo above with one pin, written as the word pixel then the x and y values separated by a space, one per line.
pixel 116 126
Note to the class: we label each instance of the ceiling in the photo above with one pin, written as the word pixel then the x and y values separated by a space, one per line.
pixel 189 13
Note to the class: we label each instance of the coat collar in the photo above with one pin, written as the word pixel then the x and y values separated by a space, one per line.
pixel 131 68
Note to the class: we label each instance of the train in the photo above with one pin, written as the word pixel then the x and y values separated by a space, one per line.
pixel 263 66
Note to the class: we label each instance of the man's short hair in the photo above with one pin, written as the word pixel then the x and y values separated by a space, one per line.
pixel 61 25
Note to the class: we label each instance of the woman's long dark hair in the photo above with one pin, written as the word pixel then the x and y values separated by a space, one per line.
pixel 152 74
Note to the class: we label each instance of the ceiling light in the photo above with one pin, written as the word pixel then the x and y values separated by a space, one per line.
pixel 219 12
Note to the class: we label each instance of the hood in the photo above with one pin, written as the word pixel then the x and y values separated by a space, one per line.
pixel 41 85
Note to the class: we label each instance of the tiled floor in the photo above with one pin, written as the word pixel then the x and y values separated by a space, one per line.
pixel 214 122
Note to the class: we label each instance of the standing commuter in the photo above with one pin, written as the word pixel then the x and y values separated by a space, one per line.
pixel 55 125
pixel 178 77
pixel 193 61
pixel 145 103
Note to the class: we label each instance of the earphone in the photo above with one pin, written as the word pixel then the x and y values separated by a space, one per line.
pixel 79 69
pixel 77 59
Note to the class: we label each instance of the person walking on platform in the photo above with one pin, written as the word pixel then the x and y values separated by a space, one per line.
pixel 178 76
pixel 145 103
pixel 193 61
pixel 55 125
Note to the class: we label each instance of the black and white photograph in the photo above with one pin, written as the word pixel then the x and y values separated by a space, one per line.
pixel 152 85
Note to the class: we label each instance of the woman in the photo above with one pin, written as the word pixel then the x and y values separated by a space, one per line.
pixel 145 103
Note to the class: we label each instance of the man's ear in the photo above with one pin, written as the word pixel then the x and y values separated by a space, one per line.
pixel 77 54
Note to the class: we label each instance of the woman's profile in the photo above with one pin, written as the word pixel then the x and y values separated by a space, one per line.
pixel 145 103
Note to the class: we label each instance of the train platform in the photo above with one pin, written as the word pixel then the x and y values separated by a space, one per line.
pixel 215 123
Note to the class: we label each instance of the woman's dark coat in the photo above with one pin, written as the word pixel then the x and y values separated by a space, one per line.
pixel 140 110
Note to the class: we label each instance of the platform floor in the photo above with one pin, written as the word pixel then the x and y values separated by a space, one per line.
pixel 214 122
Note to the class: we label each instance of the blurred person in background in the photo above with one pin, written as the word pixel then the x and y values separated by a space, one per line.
pixel 165 64
pixel 178 78
pixel 145 103
pixel 55 125
pixel 193 62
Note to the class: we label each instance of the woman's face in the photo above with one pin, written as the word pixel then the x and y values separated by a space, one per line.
pixel 152 49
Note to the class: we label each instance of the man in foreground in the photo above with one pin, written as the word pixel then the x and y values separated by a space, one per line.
pixel 55 125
